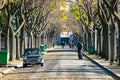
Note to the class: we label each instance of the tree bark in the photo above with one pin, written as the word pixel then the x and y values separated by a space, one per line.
pixel 86 41
pixel 99 42
pixel 36 40
pixel 21 42
pixel 31 42
pixel 113 44
pixel 7 45
pixel 17 48
pixel 105 42
pixel 118 53
pixel 89 39
pixel 119 49
pixel 38 45
pixel 12 47
pixel 94 40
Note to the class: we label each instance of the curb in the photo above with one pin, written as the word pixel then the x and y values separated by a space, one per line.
pixel 7 70
pixel 19 65
pixel 0 73
pixel 110 72
pixel 10 69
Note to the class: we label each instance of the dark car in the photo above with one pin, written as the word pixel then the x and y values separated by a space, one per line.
pixel 32 56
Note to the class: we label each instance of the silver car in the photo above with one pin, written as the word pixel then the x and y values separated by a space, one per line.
pixel 32 56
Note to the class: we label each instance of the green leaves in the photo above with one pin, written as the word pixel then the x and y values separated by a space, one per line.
pixel 3 20
pixel 86 22
pixel 74 9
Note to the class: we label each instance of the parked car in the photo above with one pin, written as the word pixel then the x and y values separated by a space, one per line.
pixel 32 56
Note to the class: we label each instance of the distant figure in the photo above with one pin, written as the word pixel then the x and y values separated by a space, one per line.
pixel 80 50
pixel 53 45
pixel 70 45
pixel 63 44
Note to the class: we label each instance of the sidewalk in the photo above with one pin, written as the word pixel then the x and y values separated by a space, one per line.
pixel 113 70
pixel 11 65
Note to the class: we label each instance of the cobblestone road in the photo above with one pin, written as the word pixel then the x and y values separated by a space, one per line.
pixel 59 66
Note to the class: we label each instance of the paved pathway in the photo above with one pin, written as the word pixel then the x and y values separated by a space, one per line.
pixel 60 65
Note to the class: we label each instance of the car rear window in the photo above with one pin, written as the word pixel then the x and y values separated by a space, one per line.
pixel 32 52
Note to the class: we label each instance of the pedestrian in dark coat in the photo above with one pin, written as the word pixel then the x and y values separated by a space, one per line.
pixel 63 44
pixel 80 46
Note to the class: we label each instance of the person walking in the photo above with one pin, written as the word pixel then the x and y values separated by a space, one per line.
pixel 70 45
pixel 53 44
pixel 80 46
pixel 63 44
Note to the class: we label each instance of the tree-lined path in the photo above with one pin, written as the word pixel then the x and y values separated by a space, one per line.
pixel 60 64
pixel 35 23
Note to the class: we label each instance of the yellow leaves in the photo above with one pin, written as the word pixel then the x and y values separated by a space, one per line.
pixel 54 6
pixel 41 14
pixel 84 15
pixel 57 6
pixel 77 17
pixel 9 1
pixel 74 9
pixel 12 1
pixel 5 2
pixel 63 15
pixel 91 24
pixel 63 4
pixel 52 9
pixel 80 2
pixel 86 22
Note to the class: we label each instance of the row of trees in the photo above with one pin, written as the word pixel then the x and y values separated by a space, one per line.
pixel 101 18
pixel 21 18
pixel 24 18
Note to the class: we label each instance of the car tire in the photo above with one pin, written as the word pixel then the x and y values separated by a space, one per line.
pixel 41 64
pixel 24 65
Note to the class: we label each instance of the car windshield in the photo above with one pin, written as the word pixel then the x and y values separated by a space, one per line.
pixel 32 52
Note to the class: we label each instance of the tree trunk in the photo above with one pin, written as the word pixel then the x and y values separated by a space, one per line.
pixel 118 53
pixel 36 41
pixel 12 47
pixel 119 49
pixel 99 42
pixel 86 42
pixel 22 46
pixel 105 42
pixel 89 39
pixel 28 41
pixel 21 43
pixel 31 42
pixel 17 48
pixel 94 40
pixel 7 45
pixel 113 41
pixel 113 44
